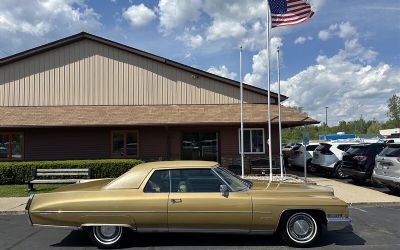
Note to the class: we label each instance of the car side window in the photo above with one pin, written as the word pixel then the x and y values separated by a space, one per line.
pixel 158 182
pixel 194 181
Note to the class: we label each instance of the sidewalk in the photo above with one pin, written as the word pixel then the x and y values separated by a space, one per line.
pixel 13 205
pixel 354 194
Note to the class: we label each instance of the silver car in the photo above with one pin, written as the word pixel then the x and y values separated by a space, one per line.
pixel 387 167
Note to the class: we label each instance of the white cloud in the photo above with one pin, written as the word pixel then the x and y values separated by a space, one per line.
pixel 347 82
pixel 260 62
pixel 29 23
pixel 225 29
pixel 302 39
pixel 139 15
pixel 222 71
pixel 191 41
pixel 176 13
pixel 344 30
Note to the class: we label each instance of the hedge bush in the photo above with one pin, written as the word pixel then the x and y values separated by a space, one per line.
pixel 21 172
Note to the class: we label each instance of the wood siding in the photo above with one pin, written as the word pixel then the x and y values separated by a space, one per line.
pixel 91 73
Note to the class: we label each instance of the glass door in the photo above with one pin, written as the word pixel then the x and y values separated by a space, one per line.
pixel 200 146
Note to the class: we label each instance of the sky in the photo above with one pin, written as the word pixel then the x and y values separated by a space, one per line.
pixel 346 57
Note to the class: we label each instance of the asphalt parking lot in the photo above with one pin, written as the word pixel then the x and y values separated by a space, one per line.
pixel 373 227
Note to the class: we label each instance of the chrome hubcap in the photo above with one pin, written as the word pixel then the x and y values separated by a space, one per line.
pixel 107 234
pixel 301 227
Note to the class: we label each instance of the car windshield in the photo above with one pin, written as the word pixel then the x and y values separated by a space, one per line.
pixel 233 181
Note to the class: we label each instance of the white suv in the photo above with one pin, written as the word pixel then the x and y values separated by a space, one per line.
pixel 297 154
pixel 328 156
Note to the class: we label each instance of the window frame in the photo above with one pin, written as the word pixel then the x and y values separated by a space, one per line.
pixel 9 149
pixel 251 140
pixel 125 133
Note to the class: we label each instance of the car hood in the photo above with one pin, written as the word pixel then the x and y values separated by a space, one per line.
pixel 90 185
pixel 290 188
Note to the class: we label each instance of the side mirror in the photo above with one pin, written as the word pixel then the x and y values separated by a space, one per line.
pixel 224 190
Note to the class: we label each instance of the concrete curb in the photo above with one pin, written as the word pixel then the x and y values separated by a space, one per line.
pixel 12 212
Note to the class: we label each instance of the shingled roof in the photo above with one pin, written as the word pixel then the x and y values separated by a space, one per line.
pixel 147 115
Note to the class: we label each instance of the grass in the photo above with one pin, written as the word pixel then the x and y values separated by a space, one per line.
pixel 22 190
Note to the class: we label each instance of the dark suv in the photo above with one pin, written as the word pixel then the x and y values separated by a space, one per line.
pixel 359 160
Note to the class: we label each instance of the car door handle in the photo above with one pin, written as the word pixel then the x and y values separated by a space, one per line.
pixel 176 200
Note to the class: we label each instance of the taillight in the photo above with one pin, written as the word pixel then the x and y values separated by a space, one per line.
pixel 360 158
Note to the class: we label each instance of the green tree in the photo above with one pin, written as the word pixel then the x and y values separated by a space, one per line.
pixel 394 110
pixel 374 128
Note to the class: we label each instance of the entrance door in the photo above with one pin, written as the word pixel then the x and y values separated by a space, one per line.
pixel 200 146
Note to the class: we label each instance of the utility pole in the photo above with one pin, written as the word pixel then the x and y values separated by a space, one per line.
pixel 326 116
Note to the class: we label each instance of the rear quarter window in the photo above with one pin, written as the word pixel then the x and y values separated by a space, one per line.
pixel 311 147
pixel 391 151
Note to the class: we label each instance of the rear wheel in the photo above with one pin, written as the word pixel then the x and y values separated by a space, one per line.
pixel 339 171
pixel 106 236
pixel 301 229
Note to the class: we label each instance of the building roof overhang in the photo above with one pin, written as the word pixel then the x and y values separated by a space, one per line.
pixel 154 115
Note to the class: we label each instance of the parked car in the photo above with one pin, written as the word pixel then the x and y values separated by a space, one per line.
pixel 359 160
pixel 387 168
pixel 286 151
pixel 189 196
pixel 297 154
pixel 327 156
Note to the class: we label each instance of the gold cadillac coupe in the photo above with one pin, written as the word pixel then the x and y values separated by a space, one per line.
pixel 189 196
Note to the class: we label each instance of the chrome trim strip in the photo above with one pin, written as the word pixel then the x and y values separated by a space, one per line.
pixel 28 205
pixel 337 223
pixel 99 212
pixel 204 212
pixel 55 226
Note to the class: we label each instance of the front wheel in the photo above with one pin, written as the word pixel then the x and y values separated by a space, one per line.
pixel 106 237
pixel 301 229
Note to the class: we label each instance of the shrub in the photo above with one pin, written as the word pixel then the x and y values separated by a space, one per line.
pixel 21 172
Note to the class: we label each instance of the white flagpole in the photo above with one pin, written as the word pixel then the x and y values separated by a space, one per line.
pixel 241 114
pixel 269 92
pixel 279 111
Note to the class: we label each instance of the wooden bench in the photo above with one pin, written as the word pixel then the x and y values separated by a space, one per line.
pixel 261 166
pixel 57 176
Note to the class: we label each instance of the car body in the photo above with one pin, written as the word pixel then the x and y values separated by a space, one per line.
pixel 297 154
pixel 387 167
pixel 286 152
pixel 327 156
pixel 359 160
pixel 189 196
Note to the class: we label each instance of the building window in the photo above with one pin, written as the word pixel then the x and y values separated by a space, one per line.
pixel 253 141
pixel 124 144
pixel 11 146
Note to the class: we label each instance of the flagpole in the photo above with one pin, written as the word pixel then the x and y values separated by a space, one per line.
pixel 279 111
pixel 241 114
pixel 269 92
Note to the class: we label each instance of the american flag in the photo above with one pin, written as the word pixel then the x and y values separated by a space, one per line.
pixel 289 12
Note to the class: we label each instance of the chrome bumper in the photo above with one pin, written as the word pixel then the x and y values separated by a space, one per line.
pixel 28 204
pixel 337 223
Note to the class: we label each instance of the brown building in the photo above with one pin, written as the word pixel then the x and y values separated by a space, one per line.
pixel 86 97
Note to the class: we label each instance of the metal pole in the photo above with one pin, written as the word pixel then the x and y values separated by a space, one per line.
pixel 305 163
pixel 326 116
pixel 279 112
pixel 241 114
pixel 269 92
